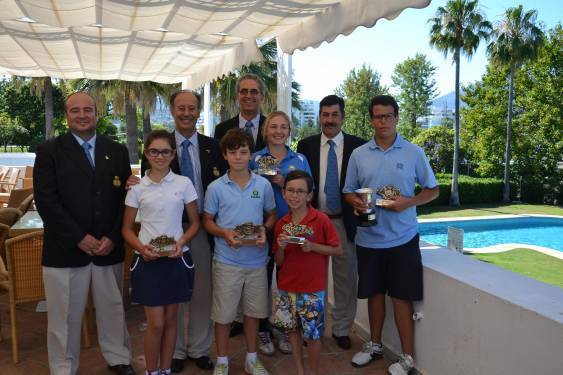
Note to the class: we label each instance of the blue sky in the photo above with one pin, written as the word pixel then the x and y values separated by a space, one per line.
pixel 388 43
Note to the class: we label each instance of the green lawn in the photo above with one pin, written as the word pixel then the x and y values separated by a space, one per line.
pixel 529 263
pixel 435 212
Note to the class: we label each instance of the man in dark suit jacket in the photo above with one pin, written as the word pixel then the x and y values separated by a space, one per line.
pixel 317 149
pixel 79 189
pixel 207 164
pixel 250 95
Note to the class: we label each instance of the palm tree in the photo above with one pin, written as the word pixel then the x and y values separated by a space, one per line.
pixel 125 97
pixel 223 89
pixel 458 27
pixel 41 87
pixel 517 40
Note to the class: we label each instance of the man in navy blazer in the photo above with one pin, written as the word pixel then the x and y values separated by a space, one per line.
pixel 207 164
pixel 79 189
pixel 250 96
pixel 344 269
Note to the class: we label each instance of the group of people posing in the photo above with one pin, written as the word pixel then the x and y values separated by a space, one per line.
pixel 194 195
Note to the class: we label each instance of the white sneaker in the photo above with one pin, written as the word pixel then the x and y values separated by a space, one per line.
pixel 221 369
pixel 255 368
pixel 403 366
pixel 283 341
pixel 370 351
pixel 266 346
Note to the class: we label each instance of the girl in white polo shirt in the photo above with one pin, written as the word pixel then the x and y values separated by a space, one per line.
pixel 160 282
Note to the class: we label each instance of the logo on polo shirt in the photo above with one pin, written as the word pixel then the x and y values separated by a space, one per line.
pixel 399 165
pixel 255 194
pixel 292 167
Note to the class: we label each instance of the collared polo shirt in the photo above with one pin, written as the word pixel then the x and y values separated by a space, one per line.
pixel 232 206
pixel 293 161
pixel 161 205
pixel 306 272
pixel 402 165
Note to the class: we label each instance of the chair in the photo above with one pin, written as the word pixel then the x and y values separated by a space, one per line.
pixel 10 180
pixel 9 215
pixel 24 273
pixel 28 171
pixel 16 197
pixel 26 204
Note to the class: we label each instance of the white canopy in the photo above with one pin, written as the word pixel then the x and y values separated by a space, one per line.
pixel 170 40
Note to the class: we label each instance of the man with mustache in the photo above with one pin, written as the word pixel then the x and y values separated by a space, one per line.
pixel 250 96
pixel 328 154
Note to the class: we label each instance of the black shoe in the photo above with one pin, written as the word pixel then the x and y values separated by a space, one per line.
pixel 177 365
pixel 343 342
pixel 122 369
pixel 236 329
pixel 203 362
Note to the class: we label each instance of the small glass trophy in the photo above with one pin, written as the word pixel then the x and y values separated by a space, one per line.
pixel 163 245
pixel 297 233
pixel 268 166
pixel 389 194
pixel 367 217
pixel 249 233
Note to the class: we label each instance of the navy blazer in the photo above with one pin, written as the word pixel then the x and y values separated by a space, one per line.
pixel 222 128
pixel 74 200
pixel 311 148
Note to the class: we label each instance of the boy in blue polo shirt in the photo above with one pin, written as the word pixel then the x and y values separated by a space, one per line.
pixel 239 271
pixel 389 259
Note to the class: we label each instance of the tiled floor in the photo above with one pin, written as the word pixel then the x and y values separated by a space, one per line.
pixel 33 351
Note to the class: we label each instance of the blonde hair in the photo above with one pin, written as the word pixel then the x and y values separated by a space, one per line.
pixel 269 119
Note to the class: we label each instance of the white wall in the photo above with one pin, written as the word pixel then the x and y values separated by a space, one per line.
pixel 480 319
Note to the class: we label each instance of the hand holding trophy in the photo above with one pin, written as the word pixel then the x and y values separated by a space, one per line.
pixel 250 234
pixel 367 215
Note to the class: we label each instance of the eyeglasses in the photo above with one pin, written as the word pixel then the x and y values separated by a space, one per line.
pixel 153 152
pixel 385 117
pixel 296 191
pixel 252 92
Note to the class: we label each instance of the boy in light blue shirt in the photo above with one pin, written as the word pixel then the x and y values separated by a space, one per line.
pixel 389 259
pixel 239 271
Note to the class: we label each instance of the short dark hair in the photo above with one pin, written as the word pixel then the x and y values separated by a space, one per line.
pixel 299 175
pixel 236 138
pixel 173 97
pixel 161 134
pixel 253 77
pixel 332 100
pixel 383 100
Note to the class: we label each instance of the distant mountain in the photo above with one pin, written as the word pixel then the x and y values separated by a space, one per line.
pixel 447 101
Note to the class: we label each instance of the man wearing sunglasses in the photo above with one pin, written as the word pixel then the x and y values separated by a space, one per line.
pixel 250 96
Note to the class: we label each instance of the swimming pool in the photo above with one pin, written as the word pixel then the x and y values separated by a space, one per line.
pixel 539 231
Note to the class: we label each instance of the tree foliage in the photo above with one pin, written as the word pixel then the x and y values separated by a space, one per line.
pixel 458 28
pixel 18 102
pixel 517 40
pixel 414 78
pixel 537 139
pixel 359 87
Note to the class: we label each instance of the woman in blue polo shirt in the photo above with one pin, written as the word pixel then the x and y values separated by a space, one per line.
pixel 275 132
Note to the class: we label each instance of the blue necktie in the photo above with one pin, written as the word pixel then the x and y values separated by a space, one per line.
pixel 86 147
pixel 332 186
pixel 248 128
pixel 186 166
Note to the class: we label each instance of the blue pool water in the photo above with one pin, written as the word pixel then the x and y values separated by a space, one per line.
pixel 540 231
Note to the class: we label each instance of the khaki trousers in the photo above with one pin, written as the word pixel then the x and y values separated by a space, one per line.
pixel 345 283
pixel 66 291
pixel 200 326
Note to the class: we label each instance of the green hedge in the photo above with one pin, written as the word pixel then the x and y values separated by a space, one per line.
pixel 471 190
